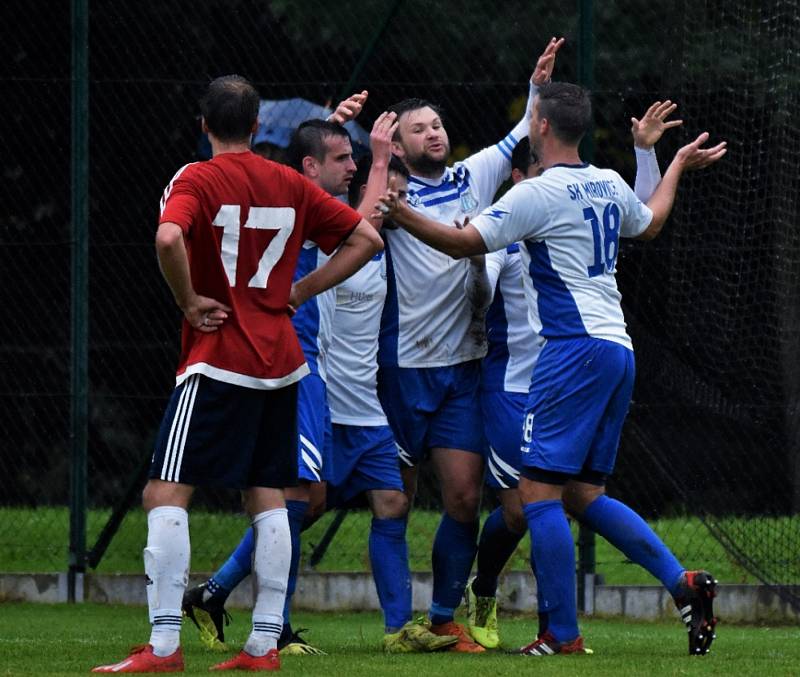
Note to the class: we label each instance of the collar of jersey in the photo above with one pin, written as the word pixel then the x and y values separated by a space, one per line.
pixel 582 165
pixel 444 177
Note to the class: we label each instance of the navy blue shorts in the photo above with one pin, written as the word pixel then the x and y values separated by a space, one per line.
pixel 503 413
pixel 314 430
pixel 216 434
pixel 432 407
pixel 364 458
pixel 580 393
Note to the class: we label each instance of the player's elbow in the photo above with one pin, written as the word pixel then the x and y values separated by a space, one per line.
pixel 653 229
pixel 369 237
pixel 168 236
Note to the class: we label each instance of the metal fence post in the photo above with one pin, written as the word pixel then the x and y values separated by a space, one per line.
pixel 586 537
pixel 79 302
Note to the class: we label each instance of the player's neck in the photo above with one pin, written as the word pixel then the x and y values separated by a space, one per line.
pixel 219 147
pixel 558 154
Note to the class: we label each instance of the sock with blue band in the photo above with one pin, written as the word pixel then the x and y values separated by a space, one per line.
pixel 454 551
pixel 553 558
pixel 630 534
pixel 388 555
pixel 297 512
pixel 236 568
pixel 496 545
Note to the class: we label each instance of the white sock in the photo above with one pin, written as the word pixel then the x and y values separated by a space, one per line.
pixel 166 565
pixel 271 559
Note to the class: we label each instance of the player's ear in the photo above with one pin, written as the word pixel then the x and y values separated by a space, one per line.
pixel 309 166
pixel 254 128
pixel 203 125
pixel 397 149
pixel 516 175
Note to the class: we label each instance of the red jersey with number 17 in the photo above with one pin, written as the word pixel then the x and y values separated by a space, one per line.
pixel 244 220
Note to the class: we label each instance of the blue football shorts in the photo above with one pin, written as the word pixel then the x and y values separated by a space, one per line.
pixel 503 413
pixel 432 407
pixel 216 434
pixel 364 458
pixel 314 429
pixel 580 393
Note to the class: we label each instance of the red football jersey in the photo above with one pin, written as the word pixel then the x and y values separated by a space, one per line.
pixel 244 220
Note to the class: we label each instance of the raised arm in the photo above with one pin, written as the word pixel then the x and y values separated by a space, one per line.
pixel 491 166
pixel 646 133
pixel 380 141
pixel 690 157
pixel 348 109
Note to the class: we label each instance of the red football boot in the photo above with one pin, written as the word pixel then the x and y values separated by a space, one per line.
pixel 142 659
pixel 271 661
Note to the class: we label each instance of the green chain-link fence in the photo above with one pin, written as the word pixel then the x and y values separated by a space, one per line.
pixel 711 451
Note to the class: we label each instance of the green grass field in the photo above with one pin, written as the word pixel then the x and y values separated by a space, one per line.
pixel 39 543
pixel 38 639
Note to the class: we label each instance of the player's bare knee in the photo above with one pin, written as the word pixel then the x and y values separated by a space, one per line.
pixel 389 505
pixel 515 518
pixel 158 493
pixel 463 505
pixel 578 496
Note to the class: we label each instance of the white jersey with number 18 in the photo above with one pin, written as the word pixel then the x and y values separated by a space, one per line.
pixel 568 222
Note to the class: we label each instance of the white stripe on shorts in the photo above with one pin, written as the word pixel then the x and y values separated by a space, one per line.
pixel 173 454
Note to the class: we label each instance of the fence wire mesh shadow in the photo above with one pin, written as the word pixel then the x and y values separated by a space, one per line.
pixel 712 446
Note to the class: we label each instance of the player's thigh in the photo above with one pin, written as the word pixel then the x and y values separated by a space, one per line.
pixel 209 434
pixel 457 423
pixel 313 421
pixel 572 384
pixel 365 460
pixel 503 413
pixel 275 455
pixel 460 475
pixel 409 397
pixel 603 451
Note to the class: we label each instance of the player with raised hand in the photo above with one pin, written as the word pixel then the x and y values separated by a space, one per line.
pixel 228 240
pixel 432 339
pixel 506 374
pixel 569 222
pixel 364 451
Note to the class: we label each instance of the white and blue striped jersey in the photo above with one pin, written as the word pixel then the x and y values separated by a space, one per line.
pixel 513 347
pixel 427 321
pixel 353 354
pixel 568 222
pixel 314 318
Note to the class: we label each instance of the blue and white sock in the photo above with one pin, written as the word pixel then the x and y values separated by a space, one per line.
pixel 454 551
pixel 629 533
pixel 553 556
pixel 495 547
pixel 235 569
pixel 388 555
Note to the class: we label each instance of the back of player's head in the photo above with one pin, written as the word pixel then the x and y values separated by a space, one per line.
pixel 407 105
pixel 359 180
pixel 309 140
pixel 523 156
pixel 230 107
pixel 568 108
